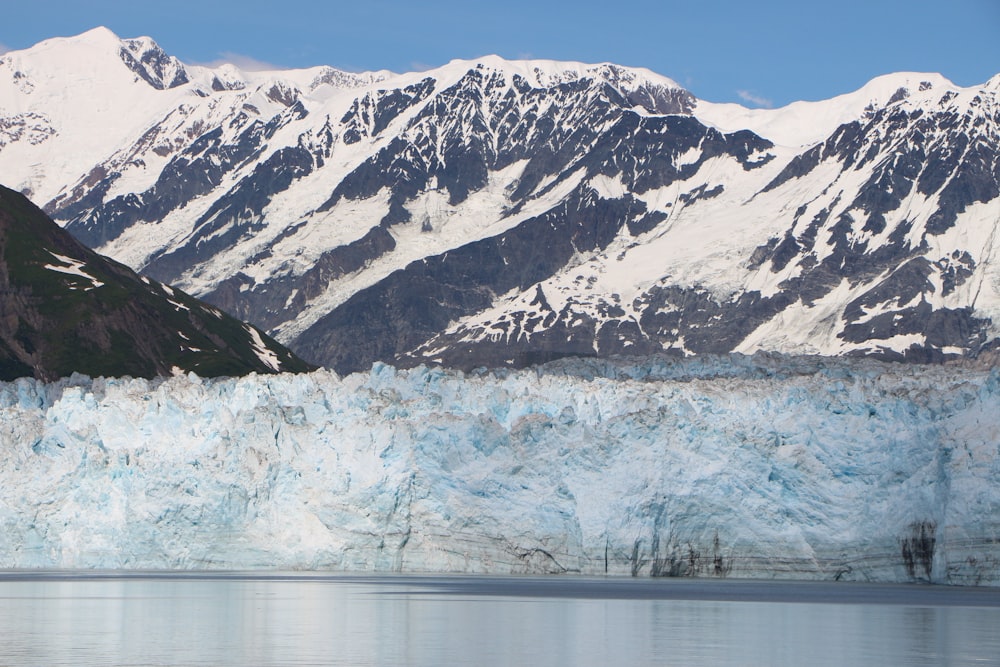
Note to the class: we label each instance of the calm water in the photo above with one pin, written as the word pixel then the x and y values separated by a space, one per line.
pixel 106 619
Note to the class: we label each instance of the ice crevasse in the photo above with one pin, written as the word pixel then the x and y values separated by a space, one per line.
pixel 761 466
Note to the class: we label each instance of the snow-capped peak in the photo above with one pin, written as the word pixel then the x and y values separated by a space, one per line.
pixel 79 97
pixel 99 37
pixel 547 73
pixel 642 87
pixel 96 59
pixel 302 200
pixel 90 49
pixel 888 88
pixel 805 123
pixel 145 57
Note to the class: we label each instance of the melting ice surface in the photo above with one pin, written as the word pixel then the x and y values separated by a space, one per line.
pixel 757 466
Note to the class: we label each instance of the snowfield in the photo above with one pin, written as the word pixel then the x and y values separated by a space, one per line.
pixel 762 466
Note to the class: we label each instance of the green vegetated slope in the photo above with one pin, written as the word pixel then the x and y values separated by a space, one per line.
pixel 66 309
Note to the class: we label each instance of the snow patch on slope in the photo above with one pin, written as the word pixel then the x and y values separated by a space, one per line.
pixel 260 348
pixel 483 214
pixel 72 267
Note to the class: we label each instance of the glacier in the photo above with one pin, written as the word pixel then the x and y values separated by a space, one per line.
pixel 744 466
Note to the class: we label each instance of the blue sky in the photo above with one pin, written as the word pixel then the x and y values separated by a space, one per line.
pixel 754 51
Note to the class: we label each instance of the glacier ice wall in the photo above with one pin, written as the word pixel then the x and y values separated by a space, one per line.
pixel 758 466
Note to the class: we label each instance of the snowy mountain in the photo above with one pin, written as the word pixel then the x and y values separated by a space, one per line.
pixel 767 467
pixel 493 212
pixel 64 309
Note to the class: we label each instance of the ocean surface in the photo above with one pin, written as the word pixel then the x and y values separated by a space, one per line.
pixel 113 618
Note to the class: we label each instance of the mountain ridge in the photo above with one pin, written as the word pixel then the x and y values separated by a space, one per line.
pixel 65 309
pixel 618 213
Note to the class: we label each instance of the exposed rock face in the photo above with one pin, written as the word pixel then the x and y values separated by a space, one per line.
pixel 499 213
pixel 152 64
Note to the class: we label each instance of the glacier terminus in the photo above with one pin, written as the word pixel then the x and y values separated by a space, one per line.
pixel 742 466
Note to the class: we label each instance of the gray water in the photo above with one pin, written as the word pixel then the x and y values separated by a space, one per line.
pixel 55 618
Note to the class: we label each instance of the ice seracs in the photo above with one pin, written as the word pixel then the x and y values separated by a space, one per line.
pixel 766 467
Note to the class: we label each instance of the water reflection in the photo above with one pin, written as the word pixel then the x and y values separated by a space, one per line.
pixel 235 620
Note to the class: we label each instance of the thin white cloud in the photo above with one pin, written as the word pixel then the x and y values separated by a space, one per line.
pixel 4 49
pixel 756 100
pixel 245 63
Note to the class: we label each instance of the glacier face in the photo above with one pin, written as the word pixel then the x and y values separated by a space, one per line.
pixel 761 466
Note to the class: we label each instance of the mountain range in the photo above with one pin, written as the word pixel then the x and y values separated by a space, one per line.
pixel 494 212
